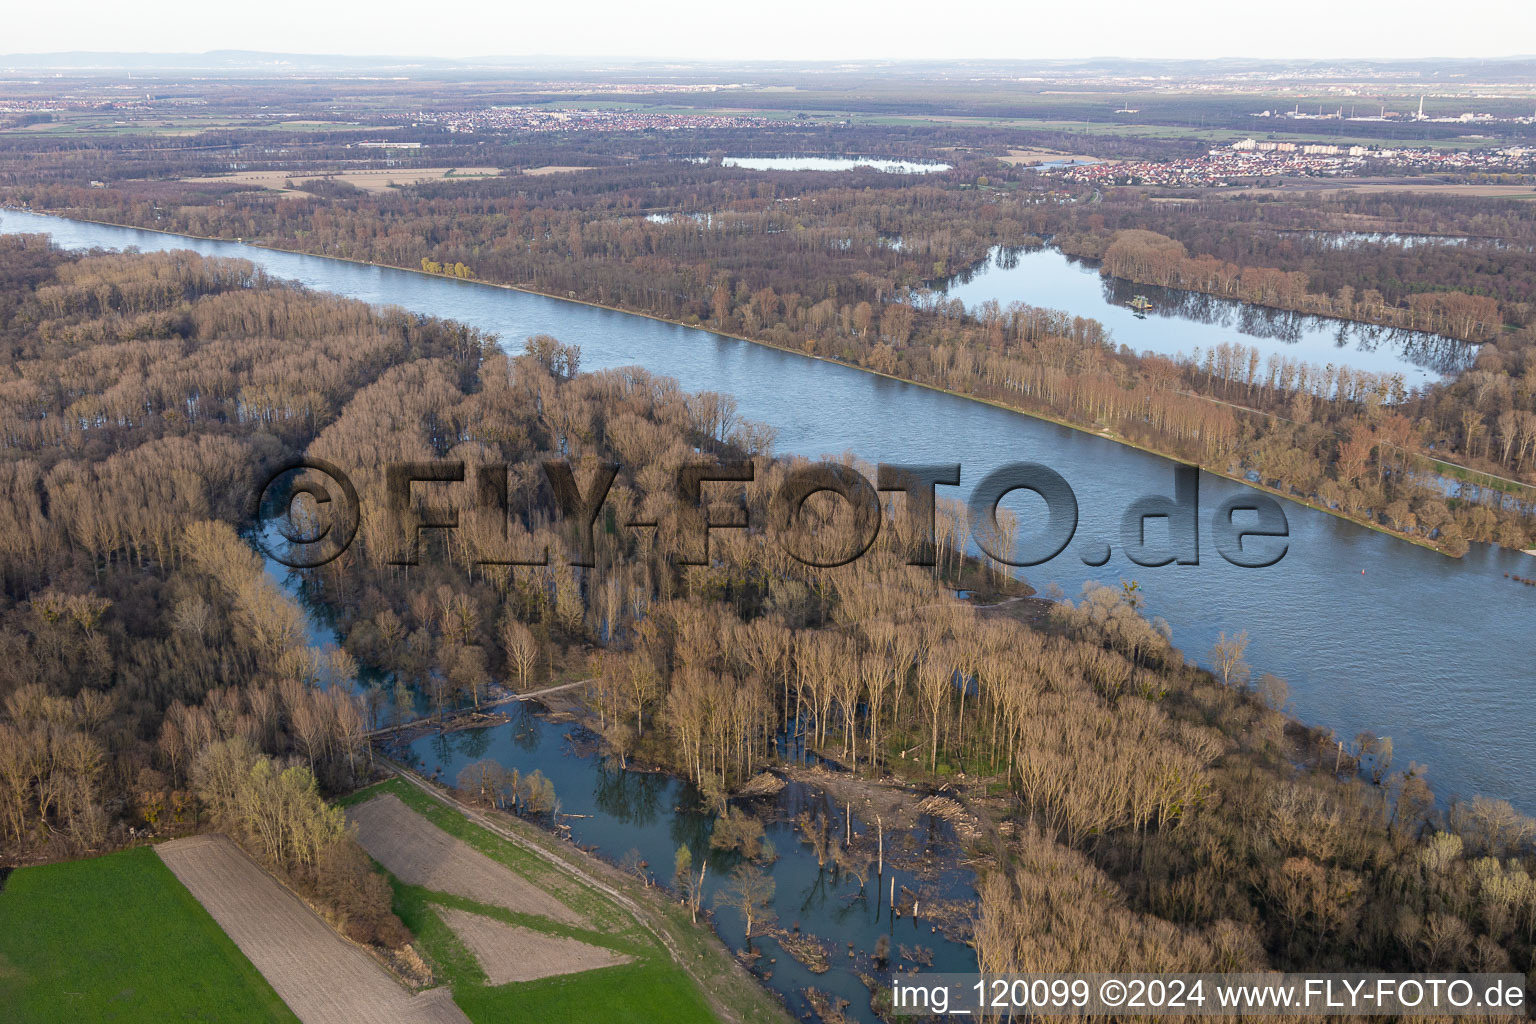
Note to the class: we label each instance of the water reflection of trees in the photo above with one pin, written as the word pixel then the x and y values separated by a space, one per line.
pixel 442 748
pixel 630 798
pixel 691 827
pixel 1002 257
pixel 1432 352
pixel 524 727
pixel 450 748
pixel 474 743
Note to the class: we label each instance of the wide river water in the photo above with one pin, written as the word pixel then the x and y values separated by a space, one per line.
pixel 1370 632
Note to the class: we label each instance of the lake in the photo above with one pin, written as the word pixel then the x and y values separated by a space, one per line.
pixel 1400 240
pixel 831 163
pixel 1355 239
pixel 1183 322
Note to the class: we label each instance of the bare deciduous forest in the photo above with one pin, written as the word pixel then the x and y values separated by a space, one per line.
pixel 842 267
pixel 1137 812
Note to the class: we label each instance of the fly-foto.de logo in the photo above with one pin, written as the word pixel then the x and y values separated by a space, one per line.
pixel 308 512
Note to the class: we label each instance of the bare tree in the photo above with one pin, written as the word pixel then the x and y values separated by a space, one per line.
pixel 1227 658
pixel 750 894
pixel 690 885
pixel 522 649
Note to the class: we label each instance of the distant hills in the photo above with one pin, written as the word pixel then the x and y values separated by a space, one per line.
pixel 249 62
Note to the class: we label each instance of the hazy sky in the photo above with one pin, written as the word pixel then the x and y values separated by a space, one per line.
pixel 807 29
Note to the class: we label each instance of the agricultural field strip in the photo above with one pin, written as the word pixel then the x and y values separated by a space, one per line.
pixel 644 931
pixel 377 180
pixel 509 953
pixel 321 977
pixel 560 864
pixel 419 853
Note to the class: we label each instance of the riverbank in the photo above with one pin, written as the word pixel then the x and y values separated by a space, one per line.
pixel 1093 430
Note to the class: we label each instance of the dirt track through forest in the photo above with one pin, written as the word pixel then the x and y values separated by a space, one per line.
pixel 323 978
pixel 419 853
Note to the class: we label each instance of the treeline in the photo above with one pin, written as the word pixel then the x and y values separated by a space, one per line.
pixel 155 679
pixel 146 396
pixel 1147 257
pixel 1473 283
pixel 278 813
pixel 807 235
pixel 1486 251
pixel 1483 416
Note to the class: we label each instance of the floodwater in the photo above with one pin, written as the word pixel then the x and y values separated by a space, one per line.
pixel 632 816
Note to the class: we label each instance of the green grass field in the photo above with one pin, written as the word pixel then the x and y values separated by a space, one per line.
pixel 118 938
pixel 650 990
pixel 644 992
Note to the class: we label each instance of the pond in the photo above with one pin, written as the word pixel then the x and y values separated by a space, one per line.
pixel 1355 239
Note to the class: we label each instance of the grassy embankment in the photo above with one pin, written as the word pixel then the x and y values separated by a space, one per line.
pixel 118 938
pixel 652 989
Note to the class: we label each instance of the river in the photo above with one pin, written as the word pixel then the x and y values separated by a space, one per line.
pixel 1370 632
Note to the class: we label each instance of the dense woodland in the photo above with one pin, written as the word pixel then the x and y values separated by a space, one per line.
pixel 812 263
pixel 1141 812
pixel 1489 252
pixel 154 679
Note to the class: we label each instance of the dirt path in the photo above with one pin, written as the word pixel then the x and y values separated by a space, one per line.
pixel 509 953
pixel 419 853
pixel 486 706
pixel 323 978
